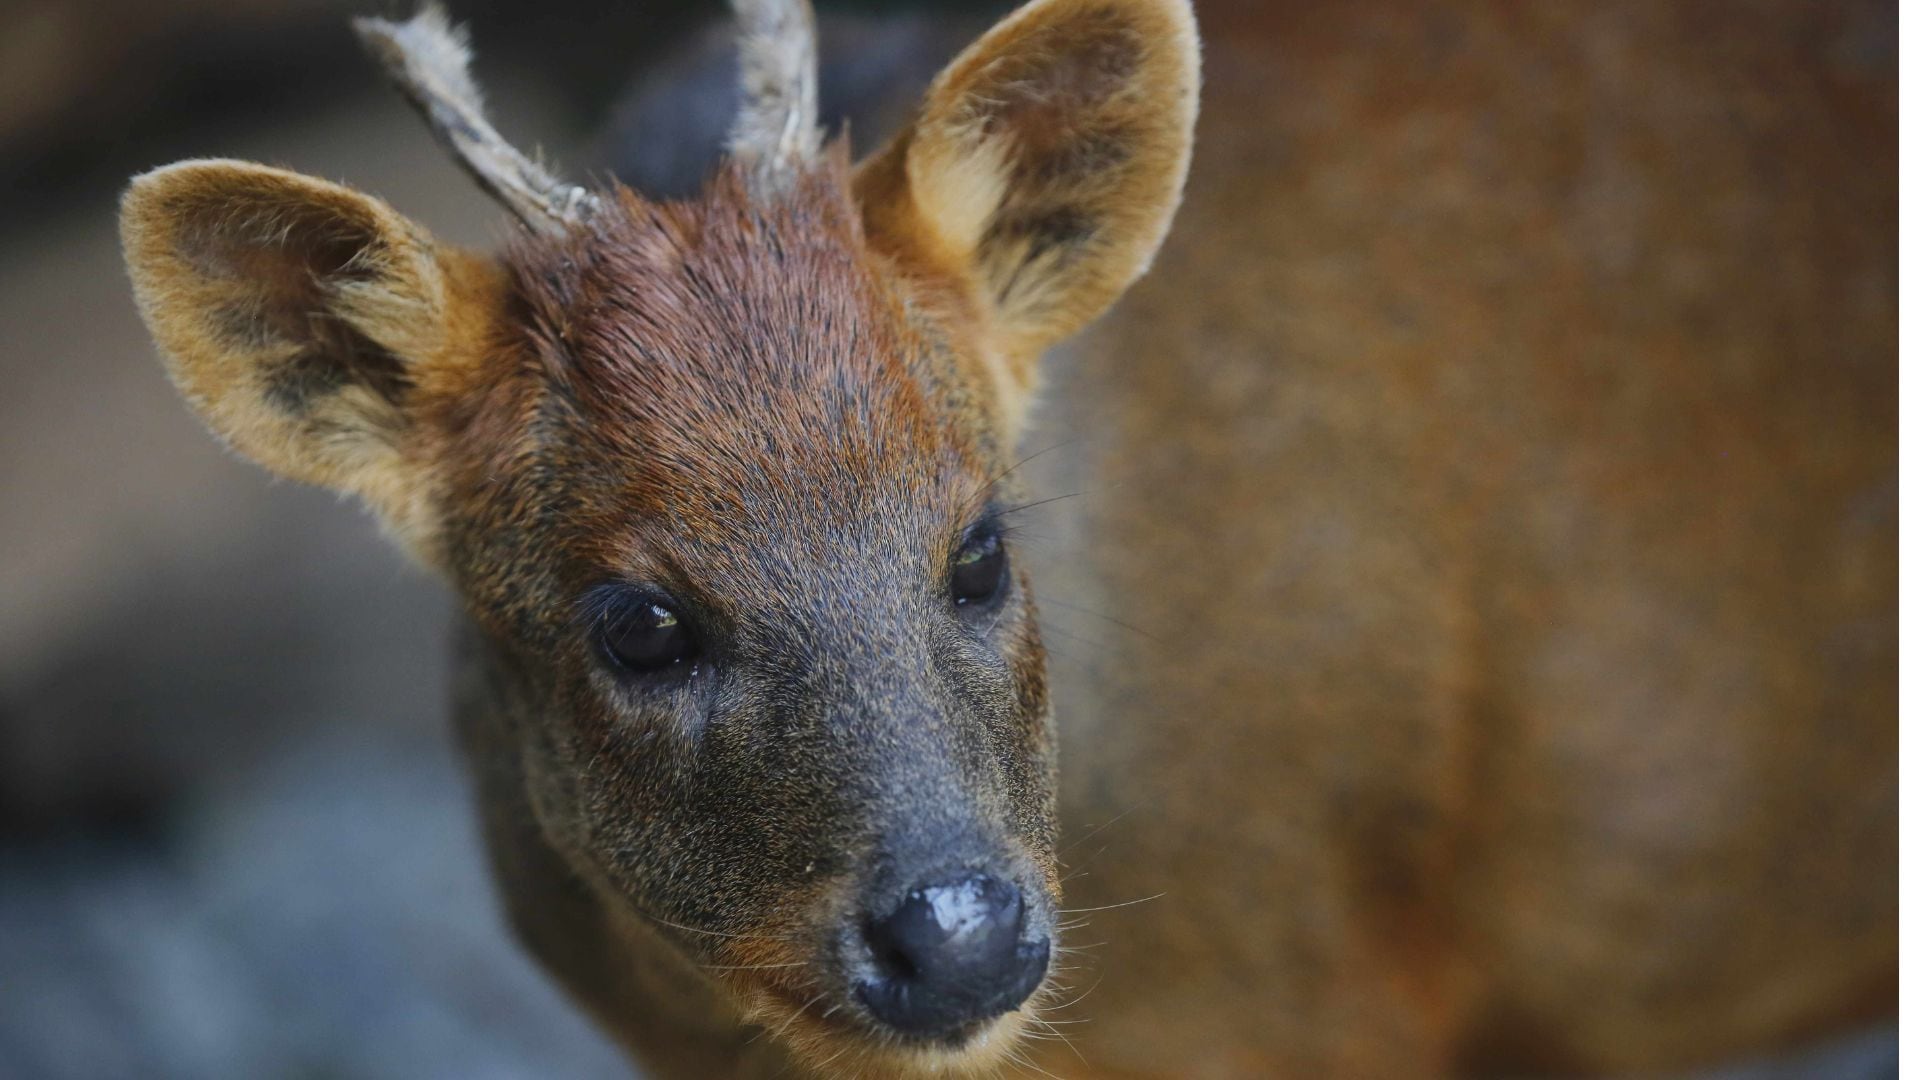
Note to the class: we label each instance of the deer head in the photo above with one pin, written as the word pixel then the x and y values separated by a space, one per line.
pixel 724 484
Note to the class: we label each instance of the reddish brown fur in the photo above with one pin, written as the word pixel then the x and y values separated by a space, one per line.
pixel 746 361
pixel 740 402
pixel 1501 458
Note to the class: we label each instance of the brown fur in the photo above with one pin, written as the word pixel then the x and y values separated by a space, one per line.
pixel 1497 471
pixel 1501 458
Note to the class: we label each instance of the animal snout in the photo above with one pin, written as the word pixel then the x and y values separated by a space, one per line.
pixel 951 954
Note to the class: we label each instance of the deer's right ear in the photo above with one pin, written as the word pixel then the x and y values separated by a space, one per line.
pixel 299 318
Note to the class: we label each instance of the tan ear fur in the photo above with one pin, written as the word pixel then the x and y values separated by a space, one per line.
pixel 299 318
pixel 1044 166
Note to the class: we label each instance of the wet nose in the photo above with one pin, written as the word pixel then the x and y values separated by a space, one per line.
pixel 951 954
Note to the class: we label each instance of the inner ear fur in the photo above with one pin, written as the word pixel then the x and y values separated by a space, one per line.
pixel 297 316
pixel 1045 164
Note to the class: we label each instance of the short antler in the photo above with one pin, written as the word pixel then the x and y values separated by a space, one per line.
pixel 426 57
pixel 777 131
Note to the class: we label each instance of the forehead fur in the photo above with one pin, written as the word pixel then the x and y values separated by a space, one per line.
pixel 734 363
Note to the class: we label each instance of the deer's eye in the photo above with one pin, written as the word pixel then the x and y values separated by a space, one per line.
pixel 646 637
pixel 979 575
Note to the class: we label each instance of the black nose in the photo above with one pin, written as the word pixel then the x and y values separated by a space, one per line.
pixel 951 954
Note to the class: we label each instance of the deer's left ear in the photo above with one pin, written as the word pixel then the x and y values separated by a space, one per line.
pixel 1044 165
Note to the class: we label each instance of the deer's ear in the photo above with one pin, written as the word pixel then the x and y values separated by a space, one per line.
pixel 1046 162
pixel 298 317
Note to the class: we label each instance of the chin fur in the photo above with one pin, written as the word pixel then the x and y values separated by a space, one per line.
pixel 820 1046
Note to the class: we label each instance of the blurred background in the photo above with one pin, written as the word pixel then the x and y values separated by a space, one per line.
pixel 234 840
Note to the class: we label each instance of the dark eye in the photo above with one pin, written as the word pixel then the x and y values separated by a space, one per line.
pixel 647 637
pixel 979 574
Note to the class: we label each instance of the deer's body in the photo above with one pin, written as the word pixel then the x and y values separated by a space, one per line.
pixel 1494 481
pixel 1500 458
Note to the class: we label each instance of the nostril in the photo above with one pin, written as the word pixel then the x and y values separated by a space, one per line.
pixel 952 953
pixel 893 961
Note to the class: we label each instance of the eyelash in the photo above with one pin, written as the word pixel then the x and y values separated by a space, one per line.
pixel 607 603
pixel 1008 524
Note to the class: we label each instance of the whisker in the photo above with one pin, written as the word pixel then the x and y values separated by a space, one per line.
pixel 1038 502
pixel 1053 630
pixel 1030 1033
pixel 1101 615
pixel 1011 469
pixel 835 1056
pixel 1092 668
pixel 782 1030
pixel 711 933
pixel 1058 1034
pixel 752 967
pixel 1110 907
pixel 1100 828
pixel 1077 1000
pixel 1021 1057
pixel 1084 863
